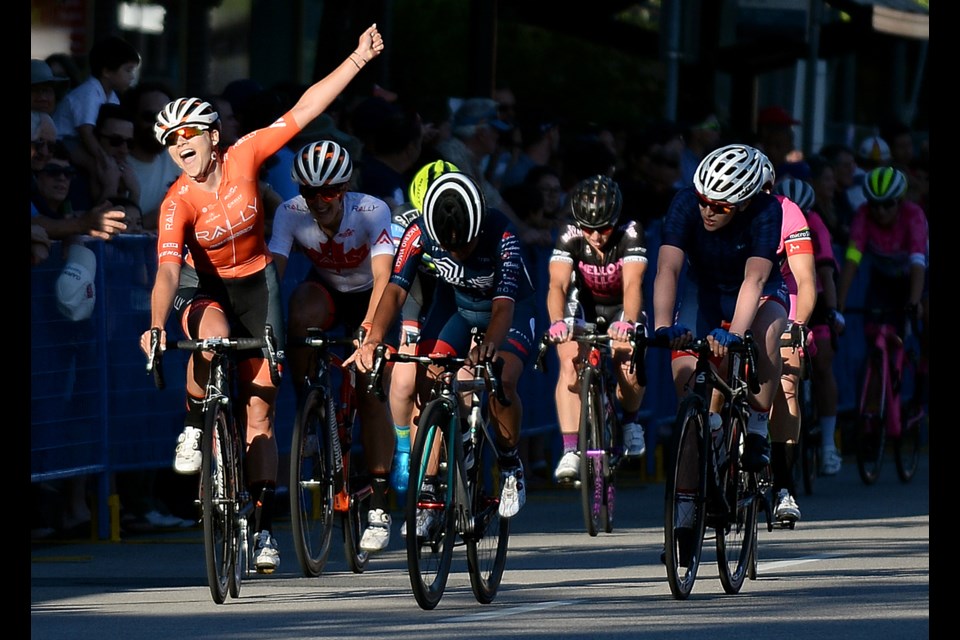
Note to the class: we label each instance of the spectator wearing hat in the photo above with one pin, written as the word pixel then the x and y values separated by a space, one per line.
pixel 848 193
pixel 43 87
pixel 476 129
pixel 701 138
pixel 775 134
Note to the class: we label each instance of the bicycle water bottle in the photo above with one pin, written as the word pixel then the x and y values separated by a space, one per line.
pixel 716 432
pixel 473 420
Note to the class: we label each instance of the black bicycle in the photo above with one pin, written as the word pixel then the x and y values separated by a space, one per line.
pixel 599 447
pixel 706 486
pixel 324 484
pixel 225 503
pixel 453 465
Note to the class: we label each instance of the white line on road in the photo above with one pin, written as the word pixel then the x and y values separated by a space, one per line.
pixel 511 611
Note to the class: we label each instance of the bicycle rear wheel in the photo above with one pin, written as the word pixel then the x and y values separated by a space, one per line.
pixel 592 485
pixel 736 534
pixel 312 485
pixel 354 521
pixel 429 557
pixel 907 447
pixel 489 534
pixel 685 500
pixel 218 487
pixel 808 445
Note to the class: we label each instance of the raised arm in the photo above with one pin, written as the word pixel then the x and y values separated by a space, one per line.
pixel 321 94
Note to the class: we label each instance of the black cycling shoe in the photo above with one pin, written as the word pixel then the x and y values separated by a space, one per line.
pixel 756 453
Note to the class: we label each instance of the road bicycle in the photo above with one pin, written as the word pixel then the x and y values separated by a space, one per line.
pixel 807 467
pixel 706 486
pixel 324 484
pixel 453 462
pixel 598 443
pixel 883 414
pixel 225 503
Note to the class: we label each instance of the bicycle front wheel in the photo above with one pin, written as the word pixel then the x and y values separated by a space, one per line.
pixel 489 534
pixel 592 479
pixel 907 447
pixel 685 501
pixel 808 445
pixel 430 544
pixel 736 534
pixel 312 485
pixel 218 487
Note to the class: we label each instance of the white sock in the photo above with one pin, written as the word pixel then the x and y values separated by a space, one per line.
pixel 828 429
pixel 757 422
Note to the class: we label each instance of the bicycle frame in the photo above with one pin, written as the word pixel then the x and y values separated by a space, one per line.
pixel 886 360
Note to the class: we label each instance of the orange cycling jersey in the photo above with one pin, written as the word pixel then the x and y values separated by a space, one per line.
pixel 223 230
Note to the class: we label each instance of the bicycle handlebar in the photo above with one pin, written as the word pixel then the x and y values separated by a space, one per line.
pixel 491 369
pixel 595 339
pixel 218 344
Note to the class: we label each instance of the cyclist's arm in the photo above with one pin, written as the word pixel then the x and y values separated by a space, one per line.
pixel 501 319
pixel 321 94
pixel 669 264
pixel 380 265
pixel 560 273
pixel 847 274
pixel 161 301
pixel 804 272
pixel 280 261
pixel 633 272
pixel 755 274
pixel 917 273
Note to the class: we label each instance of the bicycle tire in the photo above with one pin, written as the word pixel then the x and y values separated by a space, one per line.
pixel 870 428
pixel 429 558
pixel 354 520
pixel 735 535
pixel 489 536
pixel 686 491
pixel 808 443
pixel 611 448
pixel 906 447
pixel 312 485
pixel 592 487
pixel 218 490
pixel 244 537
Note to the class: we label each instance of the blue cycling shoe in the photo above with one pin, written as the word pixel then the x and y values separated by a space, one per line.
pixel 400 473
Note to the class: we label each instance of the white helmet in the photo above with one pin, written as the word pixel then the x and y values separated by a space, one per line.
pixel 768 175
pixel 322 163
pixel 731 174
pixel 184 112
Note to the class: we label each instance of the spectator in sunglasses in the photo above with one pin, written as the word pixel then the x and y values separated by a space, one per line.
pixel 114 133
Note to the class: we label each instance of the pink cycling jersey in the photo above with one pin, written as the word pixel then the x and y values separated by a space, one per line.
pixel 892 249
pixel 795 239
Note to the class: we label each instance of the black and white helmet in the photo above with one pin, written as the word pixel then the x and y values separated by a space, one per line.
pixel 730 174
pixel 453 210
pixel 596 202
pixel 799 191
pixel 184 112
pixel 322 163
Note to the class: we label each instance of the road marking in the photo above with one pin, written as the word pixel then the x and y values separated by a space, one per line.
pixel 781 564
pixel 511 611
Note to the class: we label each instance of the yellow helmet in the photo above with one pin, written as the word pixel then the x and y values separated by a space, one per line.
pixel 425 177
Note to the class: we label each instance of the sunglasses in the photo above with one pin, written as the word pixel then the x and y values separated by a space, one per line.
pixel 327 193
pixel 41 145
pixel 186 133
pixel 117 141
pixel 604 230
pixel 54 171
pixel 886 204
pixel 723 208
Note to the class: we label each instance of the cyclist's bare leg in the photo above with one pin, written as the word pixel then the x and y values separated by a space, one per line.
pixel 309 306
pixel 204 319
pixel 507 419
pixel 768 325
pixel 567 393
pixel 377 431
pixel 629 391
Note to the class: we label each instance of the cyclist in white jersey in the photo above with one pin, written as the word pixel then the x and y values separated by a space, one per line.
pixel 346 236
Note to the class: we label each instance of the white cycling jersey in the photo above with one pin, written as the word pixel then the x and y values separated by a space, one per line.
pixel 343 261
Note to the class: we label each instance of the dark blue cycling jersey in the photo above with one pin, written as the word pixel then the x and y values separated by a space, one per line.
pixel 495 268
pixel 717 259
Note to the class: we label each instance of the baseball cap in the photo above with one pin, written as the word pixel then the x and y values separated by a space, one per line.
pixel 775 115
pixel 875 149
pixel 75 289
pixel 479 111
pixel 40 73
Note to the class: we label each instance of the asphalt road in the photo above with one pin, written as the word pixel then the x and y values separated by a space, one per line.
pixel 856 566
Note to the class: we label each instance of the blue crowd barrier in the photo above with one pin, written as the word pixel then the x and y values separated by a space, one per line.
pixel 94 410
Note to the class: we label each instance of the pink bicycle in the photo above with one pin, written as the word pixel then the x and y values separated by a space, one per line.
pixel 884 414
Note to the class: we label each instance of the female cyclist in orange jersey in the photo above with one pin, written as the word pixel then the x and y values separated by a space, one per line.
pixel 214 268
